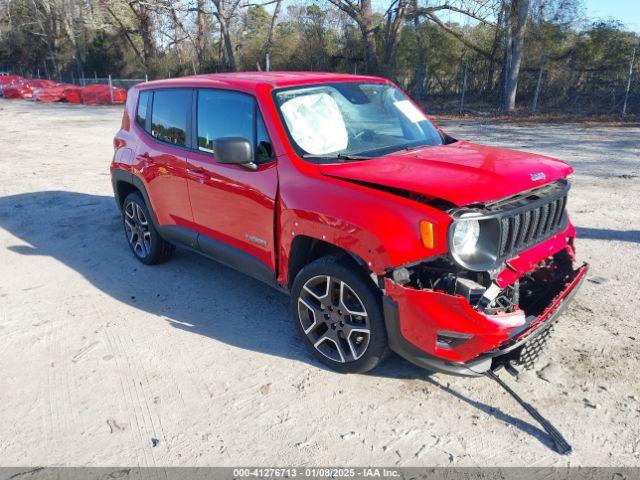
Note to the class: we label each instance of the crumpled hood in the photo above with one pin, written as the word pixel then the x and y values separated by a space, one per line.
pixel 462 173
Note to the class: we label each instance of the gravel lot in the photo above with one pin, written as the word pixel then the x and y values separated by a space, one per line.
pixel 107 362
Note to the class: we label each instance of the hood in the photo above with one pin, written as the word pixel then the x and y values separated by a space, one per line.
pixel 461 173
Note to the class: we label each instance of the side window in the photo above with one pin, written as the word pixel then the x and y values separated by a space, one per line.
pixel 141 109
pixel 231 114
pixel 223 114
pixel 264 152
pixel 169 115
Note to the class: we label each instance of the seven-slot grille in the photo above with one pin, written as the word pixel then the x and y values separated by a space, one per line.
pixel 529 227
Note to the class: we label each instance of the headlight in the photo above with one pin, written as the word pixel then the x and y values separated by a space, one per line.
pixel 474 241
pixel 465 237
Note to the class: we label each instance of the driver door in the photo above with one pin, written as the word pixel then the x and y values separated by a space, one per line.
pixel 233 206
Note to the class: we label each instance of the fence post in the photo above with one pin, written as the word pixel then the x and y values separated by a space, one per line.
pixel 536 94
pixel 464 86
pixel 626 93
pixel 146 77
pixel 266 63
pixel 110 89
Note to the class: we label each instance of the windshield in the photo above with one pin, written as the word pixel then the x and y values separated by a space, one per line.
pixel 353 121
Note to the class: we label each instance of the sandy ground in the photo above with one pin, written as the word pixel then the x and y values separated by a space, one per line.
pixel 107 362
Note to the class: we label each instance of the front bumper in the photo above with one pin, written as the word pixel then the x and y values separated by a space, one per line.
pixel 415 318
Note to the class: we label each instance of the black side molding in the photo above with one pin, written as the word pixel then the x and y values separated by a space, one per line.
pixel 180 236
pixel 237 259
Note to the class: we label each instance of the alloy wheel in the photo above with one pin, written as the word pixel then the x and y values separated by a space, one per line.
pixel 136 226
pixel 334 319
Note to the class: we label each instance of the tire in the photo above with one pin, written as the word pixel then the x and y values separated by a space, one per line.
pixel 144 240
pixel 338 311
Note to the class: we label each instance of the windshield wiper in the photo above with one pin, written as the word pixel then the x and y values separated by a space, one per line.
pixel 409 148
pixel 339 156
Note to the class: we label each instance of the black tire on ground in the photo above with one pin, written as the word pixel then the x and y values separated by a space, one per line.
pixel 335 334
pixel 144 240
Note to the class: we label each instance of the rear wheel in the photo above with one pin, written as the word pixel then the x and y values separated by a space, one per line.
pixel 143 238
pixel 338 312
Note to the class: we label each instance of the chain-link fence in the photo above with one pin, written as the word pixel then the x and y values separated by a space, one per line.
pixel 125 83
pixel 566 91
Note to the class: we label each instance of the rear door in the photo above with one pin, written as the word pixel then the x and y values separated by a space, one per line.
pixel 233 206
pixel 162 154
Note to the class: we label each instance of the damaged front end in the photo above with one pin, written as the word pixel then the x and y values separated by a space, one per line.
pixel 459 322
pixel 445 314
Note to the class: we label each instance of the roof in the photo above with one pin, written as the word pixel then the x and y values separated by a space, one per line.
pixel 251 80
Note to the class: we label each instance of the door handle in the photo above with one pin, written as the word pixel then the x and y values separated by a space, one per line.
pixel 198 174
pixel 196 170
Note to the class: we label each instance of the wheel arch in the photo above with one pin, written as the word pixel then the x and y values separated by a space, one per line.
pixel 305 249
pixel 124 183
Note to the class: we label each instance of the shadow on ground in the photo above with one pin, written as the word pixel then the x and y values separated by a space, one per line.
pixel 607 234
pixel 199 296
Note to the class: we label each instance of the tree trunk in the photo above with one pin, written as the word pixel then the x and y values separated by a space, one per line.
pixel 506 60
pixel 145 28
pixel 394 26
pixel 536 94
pixel 67 24
pixel 494 51
pixel 202 43
pixel 365 22
pixel 626 92
pixel 276 12
pixel 518 16
pixel 228 44
pixel 420 71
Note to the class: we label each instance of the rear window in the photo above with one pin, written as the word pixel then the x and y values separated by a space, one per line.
pixel 169 115
pixel 141 112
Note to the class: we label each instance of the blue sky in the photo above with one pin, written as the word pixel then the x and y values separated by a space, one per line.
pixel 627 11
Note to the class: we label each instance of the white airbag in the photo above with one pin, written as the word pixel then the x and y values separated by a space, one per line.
pixel 315 123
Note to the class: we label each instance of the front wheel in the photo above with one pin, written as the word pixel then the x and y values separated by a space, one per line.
pixel 337 310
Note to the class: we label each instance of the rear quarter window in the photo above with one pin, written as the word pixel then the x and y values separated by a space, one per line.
pixel 141 109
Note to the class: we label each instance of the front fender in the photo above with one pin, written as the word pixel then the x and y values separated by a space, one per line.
pixel 379 227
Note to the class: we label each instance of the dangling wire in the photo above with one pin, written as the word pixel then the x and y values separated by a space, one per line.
pixel 562 446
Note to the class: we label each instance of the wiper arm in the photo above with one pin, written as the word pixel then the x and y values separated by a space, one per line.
pixel 339 156
pixel 409 148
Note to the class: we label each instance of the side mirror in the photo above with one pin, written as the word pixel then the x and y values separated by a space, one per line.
pixel 236 150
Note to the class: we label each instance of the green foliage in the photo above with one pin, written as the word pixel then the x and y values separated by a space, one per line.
pixel 604 46
pixel 584 68
pixel 105 55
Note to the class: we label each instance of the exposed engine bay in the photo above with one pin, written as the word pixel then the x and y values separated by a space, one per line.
pixel 530 296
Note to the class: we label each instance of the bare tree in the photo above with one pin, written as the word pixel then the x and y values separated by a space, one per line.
pixel 395 17
pixel 225 10
pixel 517 17
pixel 143 14
pixel 274 18
pixel 202 38
pixel 362 14
pixel 420 71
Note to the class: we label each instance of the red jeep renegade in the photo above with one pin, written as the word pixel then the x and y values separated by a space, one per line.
pixel 389 234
